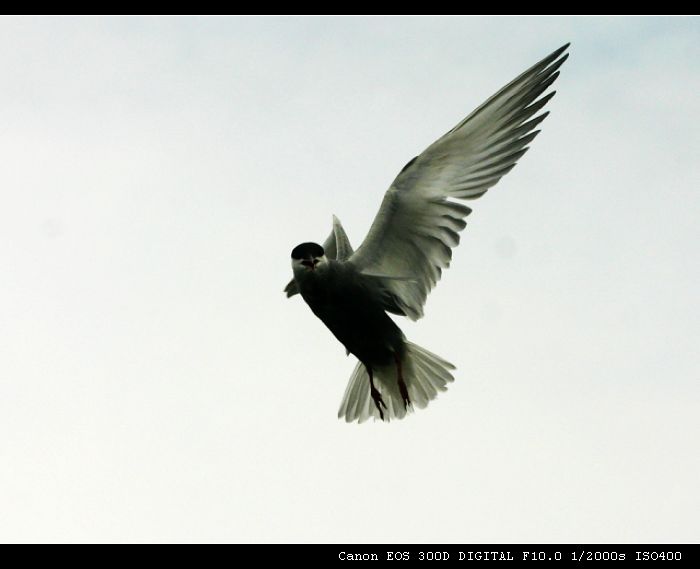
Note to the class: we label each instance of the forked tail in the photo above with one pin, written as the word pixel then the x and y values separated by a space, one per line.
pixel 424 373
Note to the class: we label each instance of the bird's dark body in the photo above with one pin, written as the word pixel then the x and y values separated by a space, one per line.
pixel 347 303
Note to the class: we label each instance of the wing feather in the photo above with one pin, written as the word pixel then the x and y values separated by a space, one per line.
pixel 417 225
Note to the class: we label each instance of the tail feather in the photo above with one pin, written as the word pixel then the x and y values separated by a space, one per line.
pixel 425 374
pixel 359 394
pixel 357 398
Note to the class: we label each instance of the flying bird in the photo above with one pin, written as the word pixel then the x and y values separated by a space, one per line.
pixel 409 243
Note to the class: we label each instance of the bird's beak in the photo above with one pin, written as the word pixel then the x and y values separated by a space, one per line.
pixel 310 263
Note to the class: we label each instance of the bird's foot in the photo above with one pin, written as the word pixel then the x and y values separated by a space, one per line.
pixel 404 394
pixel 378 401
pixel 402 384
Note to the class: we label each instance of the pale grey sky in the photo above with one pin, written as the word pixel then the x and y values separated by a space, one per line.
pixel 156 385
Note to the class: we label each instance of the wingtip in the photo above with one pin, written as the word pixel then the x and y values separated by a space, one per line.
pixel 289 289
pixel 563 48
pixel 557 52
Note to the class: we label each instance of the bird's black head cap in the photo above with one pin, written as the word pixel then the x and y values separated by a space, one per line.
pixel 307 250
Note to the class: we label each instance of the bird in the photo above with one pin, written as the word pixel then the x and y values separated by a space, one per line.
pixel 408 245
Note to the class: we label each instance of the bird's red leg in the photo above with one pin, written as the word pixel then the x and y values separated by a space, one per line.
pixel 402 384
pixel 376 396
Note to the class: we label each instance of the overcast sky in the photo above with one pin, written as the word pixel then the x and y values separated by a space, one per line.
pixel 155 383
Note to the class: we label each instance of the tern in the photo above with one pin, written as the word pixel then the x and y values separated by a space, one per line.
pixel 408 245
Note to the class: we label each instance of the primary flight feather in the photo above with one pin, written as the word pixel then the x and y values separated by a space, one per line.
pixel 408 245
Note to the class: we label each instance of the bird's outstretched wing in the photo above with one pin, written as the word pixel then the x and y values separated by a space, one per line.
pixel 417 225
pixel 336 246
